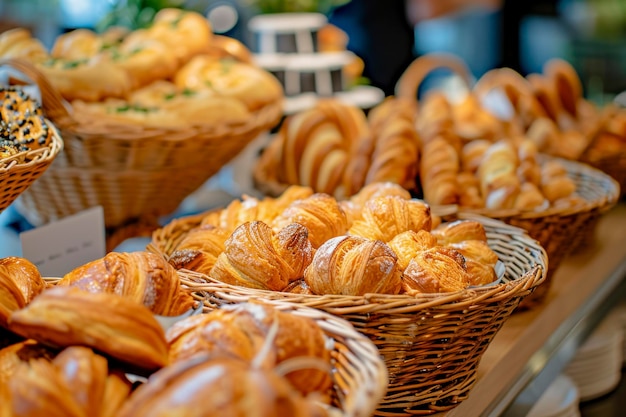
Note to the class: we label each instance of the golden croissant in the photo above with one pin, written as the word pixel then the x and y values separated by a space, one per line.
pixel 243 331
pixel 221 387
pixel 143 277
pixel 387 216
pixel 459 231
pixel 20 282
pixel 436 270
pixel 320 213
pixel 255 256
pixel 199 249
pixel 77 382
pixel 353 265
pixel 66 316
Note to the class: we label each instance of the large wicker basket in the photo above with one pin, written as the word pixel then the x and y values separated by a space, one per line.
pixel 133 172
pixel 17 176
pixel 563 230
pixel 431 344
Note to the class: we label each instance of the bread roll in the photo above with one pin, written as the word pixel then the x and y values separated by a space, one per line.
pixel 257 257
pixel 352 265
pixel 143 277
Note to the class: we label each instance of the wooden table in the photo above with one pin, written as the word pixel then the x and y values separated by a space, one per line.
pixel 534 346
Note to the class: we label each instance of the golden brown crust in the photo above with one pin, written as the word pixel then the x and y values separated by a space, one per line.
pixel 435 271
pixel 121 328
pixel 12 356
pixel 385 217
pixel 11 298
pixel 459 231
pixel 407 244
pixel 320 213
pixel 242 331
pixel 352 265
pixel 199 249
pixel 257 257
pixel 25 275
pixel 439 168
pixel 142 277
pixel 222 387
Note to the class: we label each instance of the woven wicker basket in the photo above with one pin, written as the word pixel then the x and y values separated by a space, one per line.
pixel 16 176
pixel 431 344
pixel 359 372
pixel 133 172
pixel 562 230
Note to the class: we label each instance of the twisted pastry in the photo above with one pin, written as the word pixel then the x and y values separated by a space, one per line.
pixel 406 244
pixel 353 206
pixel 143 277
pixel 353 265
pixel 395 157
pixel 436 270
pixel 439 168
pixel 257 257
pixel 387 216
pixel 320 214
pixel 121 328
pixel 77 382
pixel 242 331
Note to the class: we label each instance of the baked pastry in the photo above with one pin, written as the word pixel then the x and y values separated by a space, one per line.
pixel 320 214
pixel 199 249
pixel 12 356
pixel 221 387
pixel 143 277
pixel 22 123
pixel 245 331
pixel 257 257
pixel 353 206
pixel 20 282
pixel 19 43
pixel 385 217
pixel 67 316
pixel 459 231
pixel 77 382
pixel 436 270
pixel 439 168
pixel 406 244
pixel 228 47
pixel 353 265
pixel 497 173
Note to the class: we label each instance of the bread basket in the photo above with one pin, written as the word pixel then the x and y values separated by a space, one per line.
pixel 359 372
pixel 431 344
pixel 17 176
pixel 134 172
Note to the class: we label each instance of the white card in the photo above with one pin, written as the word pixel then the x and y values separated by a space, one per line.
pixel 57 248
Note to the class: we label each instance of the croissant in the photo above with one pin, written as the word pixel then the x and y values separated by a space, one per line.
pixel 459 231
pixel 255 256
pixel 12 356
pixel 406 244
pixel 77 44
pixel 479 273
pixel 352 265
pixel 242 331
pixel 142 277
pixel 20 282
pixel 121 328
pixel 199 249
pixel 77 382
pixel 238 212
pixel 320 213
pixel 469 190
pixel 477 250
pixel 353 206
pixel 439 168
pixel 436 270
pixel 221 387
pixel 387 216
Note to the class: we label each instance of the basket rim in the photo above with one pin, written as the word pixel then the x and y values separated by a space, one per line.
pixel 42 155
pixel 533 277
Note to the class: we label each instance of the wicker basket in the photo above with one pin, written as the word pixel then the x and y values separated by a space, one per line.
pixel 562 230
pixel 16 176
pixel 359 372
pixel 431 343
pixel 133 172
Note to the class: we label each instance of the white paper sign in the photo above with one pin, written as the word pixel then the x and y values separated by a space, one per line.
pixel 57 248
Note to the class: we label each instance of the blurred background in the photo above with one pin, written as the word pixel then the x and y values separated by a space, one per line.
pixel 591 34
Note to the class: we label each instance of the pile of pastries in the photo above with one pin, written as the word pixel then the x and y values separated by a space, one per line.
pixel 23 126
pixel 378 241
pixel 174 73
pixel 91 346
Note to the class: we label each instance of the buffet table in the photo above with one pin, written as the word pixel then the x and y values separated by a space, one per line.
pixel 534 346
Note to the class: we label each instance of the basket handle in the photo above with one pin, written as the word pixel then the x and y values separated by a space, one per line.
pixel 54 105
pixel 410 81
